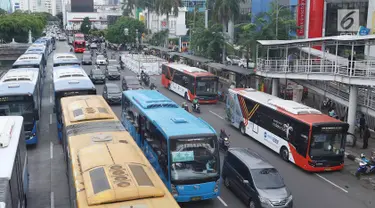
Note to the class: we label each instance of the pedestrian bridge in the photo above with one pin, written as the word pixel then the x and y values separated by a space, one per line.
pixel 313 64
pixel 11 51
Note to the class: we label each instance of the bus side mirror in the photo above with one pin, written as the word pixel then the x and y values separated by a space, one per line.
pixel 36 114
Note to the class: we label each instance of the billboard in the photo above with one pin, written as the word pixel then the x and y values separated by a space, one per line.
pixel 347 20
pixel 82 5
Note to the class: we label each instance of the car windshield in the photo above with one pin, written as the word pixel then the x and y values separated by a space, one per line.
pixel 114 90
pixel 112 69
pixel 112 62
pixel 327 144
pixel 16 108
pixel 194 158
pixel 86 56
pixel 234 57
pixel 206 86
pixel 267 178
pixel 97 72
pixel 101 57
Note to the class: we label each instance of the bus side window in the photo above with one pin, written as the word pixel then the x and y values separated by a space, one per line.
pixel 300 138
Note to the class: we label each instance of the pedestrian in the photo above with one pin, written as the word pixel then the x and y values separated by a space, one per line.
pixel 366 136
pixel 290 62
pixel 362 123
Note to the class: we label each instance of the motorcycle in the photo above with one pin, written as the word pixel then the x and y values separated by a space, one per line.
pixel 224 142
pixel 328 104
pixel 153 86
pixel 366 167
pixel 145 79
pixel 196 108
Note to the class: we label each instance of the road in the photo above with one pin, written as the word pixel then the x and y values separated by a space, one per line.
pixel 48 181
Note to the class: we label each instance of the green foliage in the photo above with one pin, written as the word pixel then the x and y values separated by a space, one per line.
pixel 199 19
pixel 128 6
pixel 158 38
pixel 116 34
pixel 208 42
pixel 2 11
pixel 167 6
pixel 98 33
pixel 85 26
pixel 17 25
pixel 224 10
pixel 60 17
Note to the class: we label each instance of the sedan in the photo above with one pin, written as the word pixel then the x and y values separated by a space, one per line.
pixel 97 76
pixel 94 46
pixel 112 93
pixel 112 73
pixel 62 38
pixel 101 60
pixel 131 83
pixel 86 59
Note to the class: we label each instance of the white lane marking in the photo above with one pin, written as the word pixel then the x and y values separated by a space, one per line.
pixel 51 150
pixel 50 87
pixel 333 184
pixel 50 118
pixel 50 99
pixel 52 200
pixel 222 201
pixel 217 115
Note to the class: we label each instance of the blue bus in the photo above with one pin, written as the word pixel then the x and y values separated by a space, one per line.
pixel 69 81
pixel 47 42
pixel 182 148
pixel 14 174
pixel 38 49
pixel 65 59
pixel 31 61
pixel 20 95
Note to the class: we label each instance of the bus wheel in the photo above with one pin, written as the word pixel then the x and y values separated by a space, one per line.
pixel 284 153
pixel 242 129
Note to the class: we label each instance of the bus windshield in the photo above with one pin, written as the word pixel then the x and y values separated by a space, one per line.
pixel 206 85
pixel 16 108
pixel 79 44
pixel 194 159
pixel 327 144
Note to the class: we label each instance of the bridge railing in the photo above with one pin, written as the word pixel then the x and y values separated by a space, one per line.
pixel 365 69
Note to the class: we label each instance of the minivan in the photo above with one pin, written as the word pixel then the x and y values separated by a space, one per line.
pixel 254 180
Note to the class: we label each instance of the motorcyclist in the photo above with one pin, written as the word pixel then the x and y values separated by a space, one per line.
pixel 185 106
pixel 223 134
pixel 195 102
pixel 152 86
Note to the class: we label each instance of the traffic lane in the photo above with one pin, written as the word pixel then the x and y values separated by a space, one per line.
pixel 312 187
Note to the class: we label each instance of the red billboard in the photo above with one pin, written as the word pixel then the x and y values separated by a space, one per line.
pixel 301 14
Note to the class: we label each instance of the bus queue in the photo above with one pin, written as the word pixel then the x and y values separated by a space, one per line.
pixel 143 158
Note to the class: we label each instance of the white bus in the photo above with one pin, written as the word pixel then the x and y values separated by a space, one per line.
pixel 13 163
pixel 65 59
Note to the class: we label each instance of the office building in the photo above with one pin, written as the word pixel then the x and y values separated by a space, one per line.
pixel 82 5
pixel 6 5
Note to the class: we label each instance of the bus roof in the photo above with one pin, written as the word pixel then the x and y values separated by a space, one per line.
pixel 35 50
pixel 291 108
pixel 79 35
pixel 193 71
pixel 10 132
pixel 71 78
pixel 64 56
pixel 61 58
pixel 175 120
pixel 19 81
pixel 28 59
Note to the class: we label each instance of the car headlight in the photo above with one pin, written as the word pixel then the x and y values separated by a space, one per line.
pixel 264 200
pixel 290 197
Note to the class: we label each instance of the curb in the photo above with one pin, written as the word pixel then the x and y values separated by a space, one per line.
pixel 352 157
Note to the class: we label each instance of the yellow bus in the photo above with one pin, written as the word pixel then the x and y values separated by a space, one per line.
pixel 105 166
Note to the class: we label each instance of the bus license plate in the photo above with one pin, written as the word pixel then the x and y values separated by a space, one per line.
pixel 198 198
pixel 327 169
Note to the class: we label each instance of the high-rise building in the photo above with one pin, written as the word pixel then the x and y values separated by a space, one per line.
pixel 82 5
pixel 113 2
pixel 6 5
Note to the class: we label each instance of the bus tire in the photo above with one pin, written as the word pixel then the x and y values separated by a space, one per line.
pixel 284 153
pixel 242 129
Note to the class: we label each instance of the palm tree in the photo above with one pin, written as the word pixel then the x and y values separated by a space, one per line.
pixel 207 42
pixel 166 7
pixel 224 12
pixel 128 6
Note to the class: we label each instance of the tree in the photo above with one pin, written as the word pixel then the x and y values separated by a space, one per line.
pixel 60 17
pixel 166 7
pixel 158 38
pixel 116 34
pixel 2 11
pixel 85 25
pixel 225 11
pixel 208 42
pixel 18 24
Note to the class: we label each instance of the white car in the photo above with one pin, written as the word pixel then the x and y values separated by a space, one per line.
pixel 62 37
pixel 101 60
pixel 233 60
pixel 93 46
pixel 243 63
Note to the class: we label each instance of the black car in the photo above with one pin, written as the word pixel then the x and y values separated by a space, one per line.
pixel 130 83
pixel 254 180
pixel 86 59
pixel 112 73
pixel 97 76
pixel 112 93
pixel 114 63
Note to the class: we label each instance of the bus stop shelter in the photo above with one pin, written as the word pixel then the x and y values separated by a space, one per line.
pixel 190 60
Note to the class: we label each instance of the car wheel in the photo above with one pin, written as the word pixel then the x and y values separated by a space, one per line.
pixel 251 204
pixel 226 182
pixel 242 129
pixel 284 153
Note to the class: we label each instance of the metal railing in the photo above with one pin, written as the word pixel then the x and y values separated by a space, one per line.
pixel 365 69
pixel 366 96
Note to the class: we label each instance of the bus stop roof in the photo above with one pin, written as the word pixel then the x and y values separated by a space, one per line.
pixel 340 38
pixel 160 48
pixel 191 57
pixel 232 68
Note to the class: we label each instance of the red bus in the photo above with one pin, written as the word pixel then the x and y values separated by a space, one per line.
pixel 79 43
pixel 190 82
pixel 302 135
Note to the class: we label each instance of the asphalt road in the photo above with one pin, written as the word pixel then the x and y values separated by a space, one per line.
pixel 48 181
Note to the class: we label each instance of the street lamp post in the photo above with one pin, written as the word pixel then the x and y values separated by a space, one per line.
pixel 136 38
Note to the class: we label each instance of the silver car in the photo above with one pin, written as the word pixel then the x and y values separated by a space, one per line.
pixel 112 93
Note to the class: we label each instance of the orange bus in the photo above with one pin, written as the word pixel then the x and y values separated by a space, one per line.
pixel 79 43
pixel 190 82
pixel 300 134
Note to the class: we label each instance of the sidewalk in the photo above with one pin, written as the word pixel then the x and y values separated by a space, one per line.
pixel 353 153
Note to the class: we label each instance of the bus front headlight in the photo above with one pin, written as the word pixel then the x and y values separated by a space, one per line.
pixel 174 190
pixel 216 189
